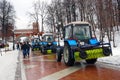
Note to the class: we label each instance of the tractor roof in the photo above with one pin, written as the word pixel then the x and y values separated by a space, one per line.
pixel 78 22
pixel 47 34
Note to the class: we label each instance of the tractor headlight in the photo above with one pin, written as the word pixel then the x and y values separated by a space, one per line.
pixel 36 43
pixel 82 43
pixel 49 43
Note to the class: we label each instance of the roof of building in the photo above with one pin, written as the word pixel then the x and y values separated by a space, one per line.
pixel 24 31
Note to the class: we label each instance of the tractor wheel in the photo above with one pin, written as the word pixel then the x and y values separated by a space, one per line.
pixel 32 49
pixel 106 52
pixel 91 61
pixel 43 50
pixel 68 56
pixel 54 50
pixel 58 55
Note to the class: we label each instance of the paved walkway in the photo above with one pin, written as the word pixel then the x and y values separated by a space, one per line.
pixel 45 67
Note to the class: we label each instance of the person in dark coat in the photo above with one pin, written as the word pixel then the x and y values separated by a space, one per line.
pixel 28 48
pixel 24 49
pixel 18 46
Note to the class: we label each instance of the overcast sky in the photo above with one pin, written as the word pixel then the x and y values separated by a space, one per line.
pixel 21 8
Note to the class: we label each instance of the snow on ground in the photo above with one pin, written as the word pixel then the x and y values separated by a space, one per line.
pixel 8 64
pixel 115 59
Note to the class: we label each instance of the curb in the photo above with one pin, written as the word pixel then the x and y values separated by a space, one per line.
pixel 20 70
pixel 23 76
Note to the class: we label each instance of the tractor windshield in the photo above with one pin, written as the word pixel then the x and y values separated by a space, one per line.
pixel 36 40
pixel 48 38
pixel 81 32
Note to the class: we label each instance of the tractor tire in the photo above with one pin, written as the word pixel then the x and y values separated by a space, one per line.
pixel 54 50
pixel 91 61
pixel 68 56
pixel 106 52
pixel 58 55
pixel 43 50
pixel 32 49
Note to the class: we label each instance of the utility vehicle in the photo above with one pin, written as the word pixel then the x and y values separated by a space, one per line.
pixel 79 44
pixel 36 44
pixel 48 44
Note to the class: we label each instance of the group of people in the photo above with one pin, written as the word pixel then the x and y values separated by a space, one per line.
pixel 25 47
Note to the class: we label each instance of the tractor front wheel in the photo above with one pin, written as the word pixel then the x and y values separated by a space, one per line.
pixel 91 61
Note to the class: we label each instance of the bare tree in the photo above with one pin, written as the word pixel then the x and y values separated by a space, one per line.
pixel 56 13
pixel 103 14
pixel 38 14
pixel 50 18
pixel 118 1
pixel 35 16
pixel 42 12
pixel 7 16
pixel 81 5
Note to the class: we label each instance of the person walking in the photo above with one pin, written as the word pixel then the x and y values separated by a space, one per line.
pixel 18 46
pixel 24 49
pixel 28 48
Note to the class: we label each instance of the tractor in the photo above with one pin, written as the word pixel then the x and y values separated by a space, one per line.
pixel 48 44
pixel 79 44
pixel 36 44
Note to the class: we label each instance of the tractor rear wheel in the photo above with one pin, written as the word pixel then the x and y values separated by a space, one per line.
pixel 58 56
pixel 68 56
pixel 43 50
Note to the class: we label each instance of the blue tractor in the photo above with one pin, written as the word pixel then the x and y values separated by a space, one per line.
pixel 80 45
pixel 48 44
pixel 36 44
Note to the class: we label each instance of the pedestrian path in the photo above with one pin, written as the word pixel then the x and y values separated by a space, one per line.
pixel 41 66
pixel 45 67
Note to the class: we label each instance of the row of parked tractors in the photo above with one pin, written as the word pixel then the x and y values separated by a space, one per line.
pixel 79 44
pixel 46 45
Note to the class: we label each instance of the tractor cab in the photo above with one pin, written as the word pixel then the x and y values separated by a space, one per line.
pixel 48 38
pixel 48 43
pixel 78 32
pixel 80 45
pixel 36 43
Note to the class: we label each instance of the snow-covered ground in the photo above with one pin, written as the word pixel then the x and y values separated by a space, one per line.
pixel 8 60
pixel 115 59
pixel 8 64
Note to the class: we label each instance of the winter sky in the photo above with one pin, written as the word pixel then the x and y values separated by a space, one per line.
pixel 22 7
